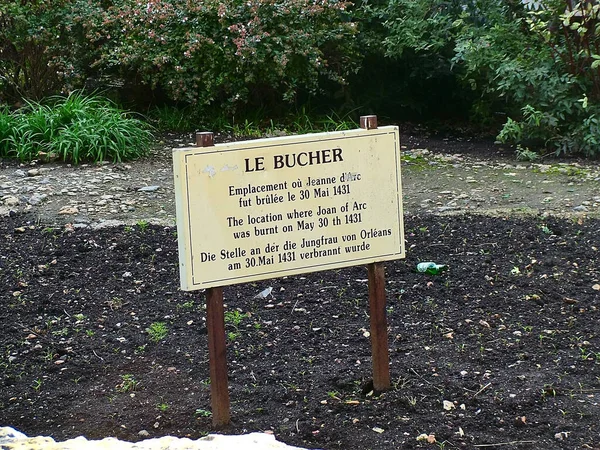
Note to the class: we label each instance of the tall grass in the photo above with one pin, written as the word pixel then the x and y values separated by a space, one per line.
pixel 74 129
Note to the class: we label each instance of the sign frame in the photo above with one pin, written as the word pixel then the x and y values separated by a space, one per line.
pixel 216 321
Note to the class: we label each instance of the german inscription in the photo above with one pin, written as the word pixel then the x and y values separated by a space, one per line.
pixel 267 208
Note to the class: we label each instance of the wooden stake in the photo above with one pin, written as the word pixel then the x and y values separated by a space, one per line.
pixel 379 337
pixel 217 355
pixel 217 346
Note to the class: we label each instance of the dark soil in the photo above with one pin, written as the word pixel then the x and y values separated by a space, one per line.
pixel 500 351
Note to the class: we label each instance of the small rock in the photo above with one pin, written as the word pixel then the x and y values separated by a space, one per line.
pixel 20 173
pixel 448 405
pixel 149 189
pixel 68 210
pixel 33 172
pixel 561 436
pixel 36 199
pixel 143 433
pixel 10 200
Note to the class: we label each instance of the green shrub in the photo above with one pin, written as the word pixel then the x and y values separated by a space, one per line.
pixel 534 63
pixel 43 50
pixel 542 64
pixel 75 129
pixel 228 53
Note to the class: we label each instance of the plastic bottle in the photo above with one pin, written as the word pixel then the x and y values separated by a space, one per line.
pixel 431 268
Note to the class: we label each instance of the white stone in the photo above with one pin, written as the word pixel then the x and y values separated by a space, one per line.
pixel 12 439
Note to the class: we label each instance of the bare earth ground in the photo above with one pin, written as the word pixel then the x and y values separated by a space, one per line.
pixel 501 351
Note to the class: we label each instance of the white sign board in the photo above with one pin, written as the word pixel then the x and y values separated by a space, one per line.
pixel 268 208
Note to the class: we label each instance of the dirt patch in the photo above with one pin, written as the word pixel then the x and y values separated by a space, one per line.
pixel 503 348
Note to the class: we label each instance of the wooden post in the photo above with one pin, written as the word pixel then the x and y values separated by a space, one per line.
pixel 217 348
pixel 379 337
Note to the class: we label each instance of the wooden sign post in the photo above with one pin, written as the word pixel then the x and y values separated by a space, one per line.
pixel 378 319
pixel 266 208
pixel 217 345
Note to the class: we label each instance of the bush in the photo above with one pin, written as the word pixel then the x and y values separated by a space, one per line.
pixel 227 53
pixel 540 60
pixel 42 49
pixel 74 129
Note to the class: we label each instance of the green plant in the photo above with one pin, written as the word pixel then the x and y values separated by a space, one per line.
pixel 49 355
pixel 232 336
pixel 335 395
pixel 203 413
pixel 142 225
pixel 187 305
pixel 227 53
pixel 37 384
pixel 162 407
pixel 75 128
pixel 234 318
pixel 128 383
pixel 157 331
pixel 140 349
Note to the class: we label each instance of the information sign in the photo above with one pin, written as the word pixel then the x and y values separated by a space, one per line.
pixel 268 208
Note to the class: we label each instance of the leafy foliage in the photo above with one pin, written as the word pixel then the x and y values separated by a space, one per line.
pixel 42 48
pixel 227 52
pixel 534 61
pixel 74 129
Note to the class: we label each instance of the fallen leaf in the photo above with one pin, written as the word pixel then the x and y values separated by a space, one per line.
pixel 569 301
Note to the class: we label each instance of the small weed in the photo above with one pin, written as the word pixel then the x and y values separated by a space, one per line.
pixel 89 333
pixel 140 349
pixel 232 336
pixel 187 305
pixel 79 316
pixel 128 383
pixel 234 318
pixel 37 385
pixel 157 331
pixel 115 303
pixel 334 395
pixel 49 355
pixel 524 154
pixel 203 413
pixel 142 225
pixel 162 407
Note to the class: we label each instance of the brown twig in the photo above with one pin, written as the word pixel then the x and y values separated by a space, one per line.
pixel 482 389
